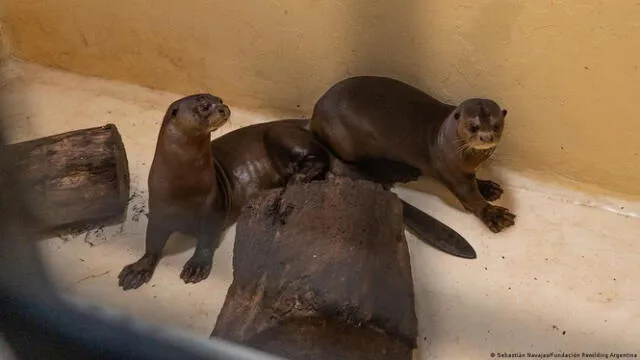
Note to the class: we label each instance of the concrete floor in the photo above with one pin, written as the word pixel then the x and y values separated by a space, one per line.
pixel 564 279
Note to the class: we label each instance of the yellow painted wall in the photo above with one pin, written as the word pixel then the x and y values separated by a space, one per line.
pixel 566 70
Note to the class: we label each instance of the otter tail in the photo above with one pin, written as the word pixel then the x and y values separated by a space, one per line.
pixel 435 233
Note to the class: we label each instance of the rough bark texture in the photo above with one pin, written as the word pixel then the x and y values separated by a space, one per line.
pixel 322 272
pixel 74 181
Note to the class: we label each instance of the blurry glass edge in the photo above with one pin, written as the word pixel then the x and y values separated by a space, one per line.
pixel 83 327
pixel 6 353
pixel 28 300
pixel 211 347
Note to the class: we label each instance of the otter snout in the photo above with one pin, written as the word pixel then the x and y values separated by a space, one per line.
pixel 488 138
pixel 484 140
pixel 219 114
pixel 223 111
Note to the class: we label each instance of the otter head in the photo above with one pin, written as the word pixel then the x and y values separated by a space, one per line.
pixel 480 123
pixel 198 114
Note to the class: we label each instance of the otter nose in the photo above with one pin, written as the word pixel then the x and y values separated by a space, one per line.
pixel 223 110
pixel 487 138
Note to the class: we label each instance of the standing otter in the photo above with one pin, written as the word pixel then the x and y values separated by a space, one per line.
pixel 256 158
pixel 183 188
pixel 374 121
pixel 193 192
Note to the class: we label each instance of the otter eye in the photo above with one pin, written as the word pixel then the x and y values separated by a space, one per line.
pixel 174 112
pixel 474 128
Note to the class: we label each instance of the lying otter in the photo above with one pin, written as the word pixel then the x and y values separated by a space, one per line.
pixel 371 121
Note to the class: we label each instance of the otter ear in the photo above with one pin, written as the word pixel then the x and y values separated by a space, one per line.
pixel 174 112
pixel 456 115
pixel 504 113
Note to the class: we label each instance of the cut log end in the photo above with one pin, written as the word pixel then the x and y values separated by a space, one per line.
pixel 318 260
pixel 75 181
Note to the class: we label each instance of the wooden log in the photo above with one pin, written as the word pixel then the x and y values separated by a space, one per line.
pixel 322 271
pixel 75 181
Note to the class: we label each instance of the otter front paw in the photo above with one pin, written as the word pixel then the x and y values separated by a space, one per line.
pixel 490 190
pixel 196 269
pixel 496 218
pixel 137 274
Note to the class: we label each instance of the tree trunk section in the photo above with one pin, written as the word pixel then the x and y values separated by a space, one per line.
pixel 322 271
pixel 75 181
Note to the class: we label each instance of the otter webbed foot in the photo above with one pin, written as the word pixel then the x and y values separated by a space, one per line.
pixel 490 190
pixel 197 268
pixel 137 274
pixel 496 218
